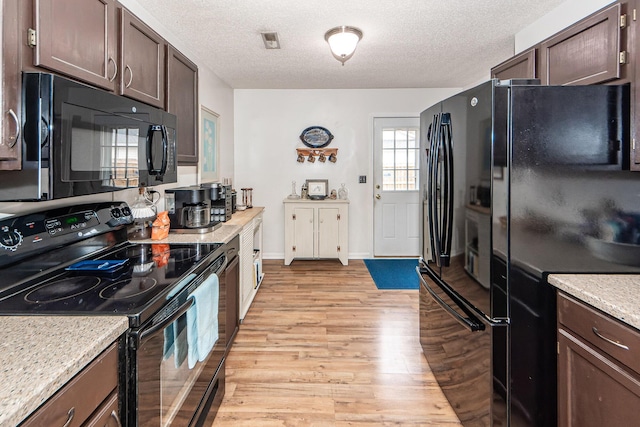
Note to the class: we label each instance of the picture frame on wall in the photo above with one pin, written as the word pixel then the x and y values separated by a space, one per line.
pixel 209 141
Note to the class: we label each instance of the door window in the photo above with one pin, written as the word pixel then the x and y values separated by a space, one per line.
pixel 400 155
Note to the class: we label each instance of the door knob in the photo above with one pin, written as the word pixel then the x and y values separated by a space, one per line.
pixel 378 196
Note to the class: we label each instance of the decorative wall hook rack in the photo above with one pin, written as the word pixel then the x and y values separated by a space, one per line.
pixel 323 154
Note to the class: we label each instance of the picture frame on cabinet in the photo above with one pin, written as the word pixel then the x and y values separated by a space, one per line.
pixel 209 141
pixel 317 188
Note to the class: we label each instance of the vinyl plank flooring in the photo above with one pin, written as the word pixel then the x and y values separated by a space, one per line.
pixel 322 346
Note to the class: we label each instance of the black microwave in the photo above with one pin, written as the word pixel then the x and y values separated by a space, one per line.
pixel 79 140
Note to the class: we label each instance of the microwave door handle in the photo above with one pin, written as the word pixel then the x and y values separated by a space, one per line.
pixel 165 150
pixel 471 323
pixel 150 132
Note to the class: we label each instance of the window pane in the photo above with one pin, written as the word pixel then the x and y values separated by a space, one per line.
pixel 388 139
pixel 411 159
pixel 413 138
pixel 412 180
pixel 401 138
pixel 401 180
pixel 387 180
pixel 401 159
pixel 388 159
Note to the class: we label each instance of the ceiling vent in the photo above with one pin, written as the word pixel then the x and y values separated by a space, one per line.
pixel 271 40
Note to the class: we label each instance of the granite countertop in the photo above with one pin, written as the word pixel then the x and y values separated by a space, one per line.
pixel 39 354
pixel 223 234
pixel 616 294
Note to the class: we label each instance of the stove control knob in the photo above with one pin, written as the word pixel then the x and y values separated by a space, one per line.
pixel 10 240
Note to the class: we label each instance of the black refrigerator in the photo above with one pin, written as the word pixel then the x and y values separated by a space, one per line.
pixel 518 181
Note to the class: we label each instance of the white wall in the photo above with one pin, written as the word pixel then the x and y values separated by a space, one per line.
pixel 559 18
pixel 267 128
pixel 213 93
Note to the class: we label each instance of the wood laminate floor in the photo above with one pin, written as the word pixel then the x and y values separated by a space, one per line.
pixel 321 346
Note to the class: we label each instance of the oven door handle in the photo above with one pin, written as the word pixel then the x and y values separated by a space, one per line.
pixel 166 322
pixel 472 323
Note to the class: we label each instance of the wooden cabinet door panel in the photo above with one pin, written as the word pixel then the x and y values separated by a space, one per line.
pixel 593 390
pixel 585 53
pixel 10 144
pixel 303 225
pixel 328 232
pixel 182 100
pixel 142 61
pixel 77 38
pixel 521 66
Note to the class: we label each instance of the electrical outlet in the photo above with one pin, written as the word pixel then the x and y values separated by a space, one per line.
pixel 362 179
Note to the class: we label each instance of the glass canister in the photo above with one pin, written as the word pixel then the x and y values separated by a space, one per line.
pixel 144 213
pixel 343 193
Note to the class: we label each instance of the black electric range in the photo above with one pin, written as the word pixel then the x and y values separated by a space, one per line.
pixel 77 260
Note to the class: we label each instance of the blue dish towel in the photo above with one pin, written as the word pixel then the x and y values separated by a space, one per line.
pixel 202 320
pixel 174 334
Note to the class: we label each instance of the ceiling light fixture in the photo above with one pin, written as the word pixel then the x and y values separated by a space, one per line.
pixel 343 41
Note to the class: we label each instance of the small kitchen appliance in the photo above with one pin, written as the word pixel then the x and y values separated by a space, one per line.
pixel 76 260
pixel 78 140
pixel 222 207
pixel 189 209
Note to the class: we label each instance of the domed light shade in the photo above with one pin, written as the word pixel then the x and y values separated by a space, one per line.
pixel 343 41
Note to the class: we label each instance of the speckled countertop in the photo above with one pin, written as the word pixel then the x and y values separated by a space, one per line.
pixel 39 354
pixel 223 234
pixel 615 294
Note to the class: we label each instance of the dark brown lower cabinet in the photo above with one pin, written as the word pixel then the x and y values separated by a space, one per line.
pixel 595 388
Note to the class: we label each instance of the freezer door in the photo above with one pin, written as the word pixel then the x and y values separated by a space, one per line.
pixel 459 358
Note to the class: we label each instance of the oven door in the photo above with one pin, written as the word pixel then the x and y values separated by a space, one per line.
pixel 167 384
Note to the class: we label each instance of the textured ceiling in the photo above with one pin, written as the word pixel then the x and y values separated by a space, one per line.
pixel 406 43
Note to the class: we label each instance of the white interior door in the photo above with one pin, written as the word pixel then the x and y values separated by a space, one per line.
pixel 396 213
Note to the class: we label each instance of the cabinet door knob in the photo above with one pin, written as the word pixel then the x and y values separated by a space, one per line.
pixel 70 415
pixel 16 134
pixel 115 69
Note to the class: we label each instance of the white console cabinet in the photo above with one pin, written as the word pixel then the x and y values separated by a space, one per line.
pixel 250 263
pixel 316 229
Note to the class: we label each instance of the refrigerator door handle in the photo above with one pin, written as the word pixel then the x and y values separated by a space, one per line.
pixel 447 190
pixel 471 322
pixel 432 186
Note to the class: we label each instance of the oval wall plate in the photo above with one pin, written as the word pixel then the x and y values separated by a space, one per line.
pixel 316 137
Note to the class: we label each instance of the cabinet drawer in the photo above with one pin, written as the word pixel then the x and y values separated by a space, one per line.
pixel 82 395
pixel 605 333
pixel 107 415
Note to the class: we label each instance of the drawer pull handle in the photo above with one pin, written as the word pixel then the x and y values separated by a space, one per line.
pixel 610 341
pixel 70 415
pixel 114 415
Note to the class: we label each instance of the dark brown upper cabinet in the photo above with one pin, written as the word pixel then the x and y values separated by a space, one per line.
pixel 521 66
pixel 142 61
pixel 77 38
pixel 182 100
pixel 588 52
pixel 10 144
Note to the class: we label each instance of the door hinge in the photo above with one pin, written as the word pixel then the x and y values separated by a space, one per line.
pixel 338 217
pixel 31 37
pixel 623 20
pixel 293 248
pixel 633 15
pixel 623 57
pixel 294 216
pixel 633 141
pixel 558 346
pixel 338 248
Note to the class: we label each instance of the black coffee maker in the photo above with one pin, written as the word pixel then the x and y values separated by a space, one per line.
pixel 189 210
